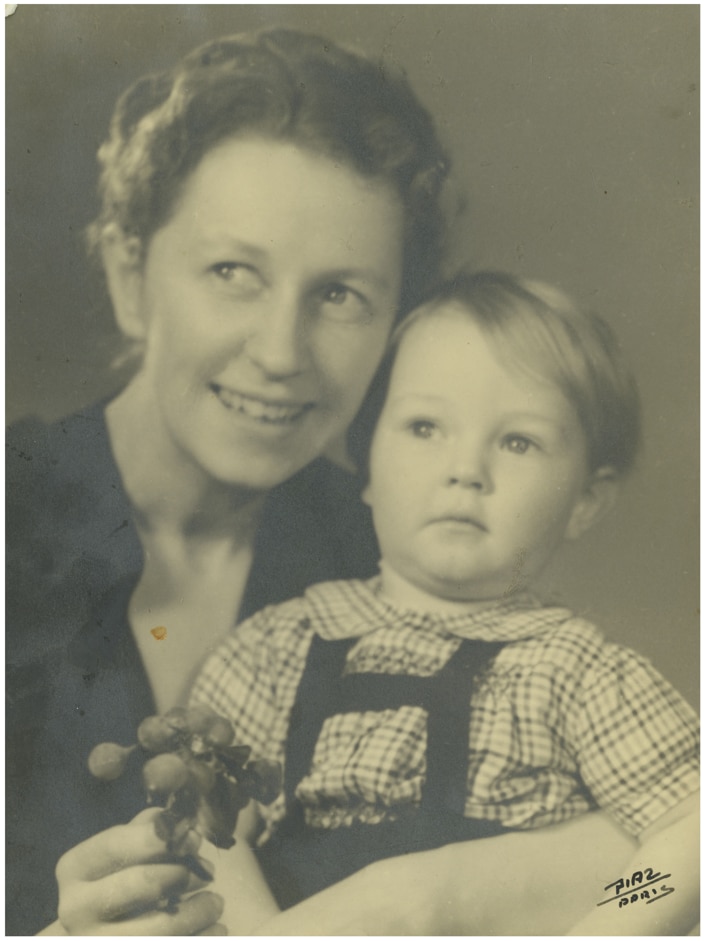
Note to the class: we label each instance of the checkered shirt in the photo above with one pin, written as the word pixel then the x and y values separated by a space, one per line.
pixel 561 723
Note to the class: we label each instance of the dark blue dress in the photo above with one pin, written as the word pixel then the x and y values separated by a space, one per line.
pixel 74 677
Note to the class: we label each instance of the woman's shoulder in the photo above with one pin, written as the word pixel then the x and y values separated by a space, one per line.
pixel 332 496
pixel 41 452
pixel 319 485
pixel 315 528
pixel 62 483
pixel 68 536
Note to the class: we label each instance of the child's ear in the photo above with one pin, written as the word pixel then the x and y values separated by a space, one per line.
pixel 596 500
pixel 123 264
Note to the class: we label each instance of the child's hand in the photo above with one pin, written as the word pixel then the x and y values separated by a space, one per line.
pixel 124 882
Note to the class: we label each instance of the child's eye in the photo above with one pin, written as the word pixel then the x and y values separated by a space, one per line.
pixel 423 428
pixel 517 444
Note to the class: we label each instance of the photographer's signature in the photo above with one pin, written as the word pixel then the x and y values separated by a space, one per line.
pixel 644 885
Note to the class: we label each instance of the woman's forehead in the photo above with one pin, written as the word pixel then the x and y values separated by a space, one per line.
pixel 277 183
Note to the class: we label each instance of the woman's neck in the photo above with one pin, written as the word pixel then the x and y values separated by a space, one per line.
pixel 168 490
pixel 197 538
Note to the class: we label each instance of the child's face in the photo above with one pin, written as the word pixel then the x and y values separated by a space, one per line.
pixel 477 470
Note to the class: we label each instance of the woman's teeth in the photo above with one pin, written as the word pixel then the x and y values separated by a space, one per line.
pixel 256 408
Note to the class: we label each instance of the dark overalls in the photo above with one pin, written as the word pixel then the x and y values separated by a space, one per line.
pixel 301 860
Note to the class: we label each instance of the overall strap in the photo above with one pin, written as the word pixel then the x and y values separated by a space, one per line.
pixel 315 701
pixel 448 726
pixel 323 691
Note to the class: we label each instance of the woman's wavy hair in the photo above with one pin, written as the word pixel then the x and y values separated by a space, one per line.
pixel 537 329
pixel 289 86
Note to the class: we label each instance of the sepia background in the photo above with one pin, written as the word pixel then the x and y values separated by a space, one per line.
pixel 574 136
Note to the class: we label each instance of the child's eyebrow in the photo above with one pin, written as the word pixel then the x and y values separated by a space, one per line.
pixel 564 430
pixel 555 423
pixel 534 417
pixel 417 398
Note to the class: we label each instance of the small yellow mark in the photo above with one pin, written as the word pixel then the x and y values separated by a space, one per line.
pixel 159 633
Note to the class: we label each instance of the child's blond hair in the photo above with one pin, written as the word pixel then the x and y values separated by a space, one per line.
pixel 538 329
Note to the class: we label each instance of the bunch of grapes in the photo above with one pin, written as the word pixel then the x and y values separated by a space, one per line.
pixel 194 772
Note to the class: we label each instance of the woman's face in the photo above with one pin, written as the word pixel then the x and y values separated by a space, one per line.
pixel 264 305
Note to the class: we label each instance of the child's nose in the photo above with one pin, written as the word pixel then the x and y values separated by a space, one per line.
pixel 468 468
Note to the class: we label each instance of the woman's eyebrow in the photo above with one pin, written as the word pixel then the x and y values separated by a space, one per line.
pixel 374 278
pixel 223 242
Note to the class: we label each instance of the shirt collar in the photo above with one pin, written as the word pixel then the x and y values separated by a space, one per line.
pixel 353 608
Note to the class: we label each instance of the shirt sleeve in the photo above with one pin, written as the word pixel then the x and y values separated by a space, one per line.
pixel 636 738
pixel 252 678
pixel 236 681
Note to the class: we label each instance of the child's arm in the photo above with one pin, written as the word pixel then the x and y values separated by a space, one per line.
pixel 670 846
pixel 239 880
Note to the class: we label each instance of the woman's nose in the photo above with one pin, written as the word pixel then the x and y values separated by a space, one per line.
pixel 277 340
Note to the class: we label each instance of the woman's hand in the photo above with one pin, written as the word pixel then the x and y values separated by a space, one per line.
pixel 532 883
pixel 121 881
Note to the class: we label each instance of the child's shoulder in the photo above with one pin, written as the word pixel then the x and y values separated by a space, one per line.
pixel 559 648
pixel 282 616
pixel 342 609
pixel 332 609
pixel 575 654
pixel 536 629
pixel 564 643
pixel 569 637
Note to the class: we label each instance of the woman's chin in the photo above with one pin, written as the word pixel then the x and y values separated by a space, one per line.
pixel 251 469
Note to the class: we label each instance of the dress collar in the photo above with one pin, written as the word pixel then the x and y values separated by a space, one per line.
pixel 345 609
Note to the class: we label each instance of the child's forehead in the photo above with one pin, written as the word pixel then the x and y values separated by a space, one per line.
pixel 454 324
pixel 515 340
pixel 442 319
pixel 436 331
pixel 436 334
pixel 444 307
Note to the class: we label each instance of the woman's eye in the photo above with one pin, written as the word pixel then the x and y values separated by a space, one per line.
pixel 237 275
pixel 517 444
pixel 340 302
pixel 423 428
pixel 337 294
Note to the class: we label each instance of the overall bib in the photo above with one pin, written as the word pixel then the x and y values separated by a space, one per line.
pixel 300 860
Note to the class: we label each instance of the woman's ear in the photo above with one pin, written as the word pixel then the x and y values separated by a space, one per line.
pixel 596 500
pixel 123 265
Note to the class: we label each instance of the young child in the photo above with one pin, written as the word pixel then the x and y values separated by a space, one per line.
pixel 440 701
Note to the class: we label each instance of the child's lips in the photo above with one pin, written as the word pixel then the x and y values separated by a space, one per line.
pixel 461 519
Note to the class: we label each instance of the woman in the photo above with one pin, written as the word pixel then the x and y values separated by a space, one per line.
pixel 269 208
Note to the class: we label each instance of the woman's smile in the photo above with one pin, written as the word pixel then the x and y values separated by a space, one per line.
pixel 259 343
pixel 268 412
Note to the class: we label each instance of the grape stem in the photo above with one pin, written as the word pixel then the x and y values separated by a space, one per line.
pixel 193 864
